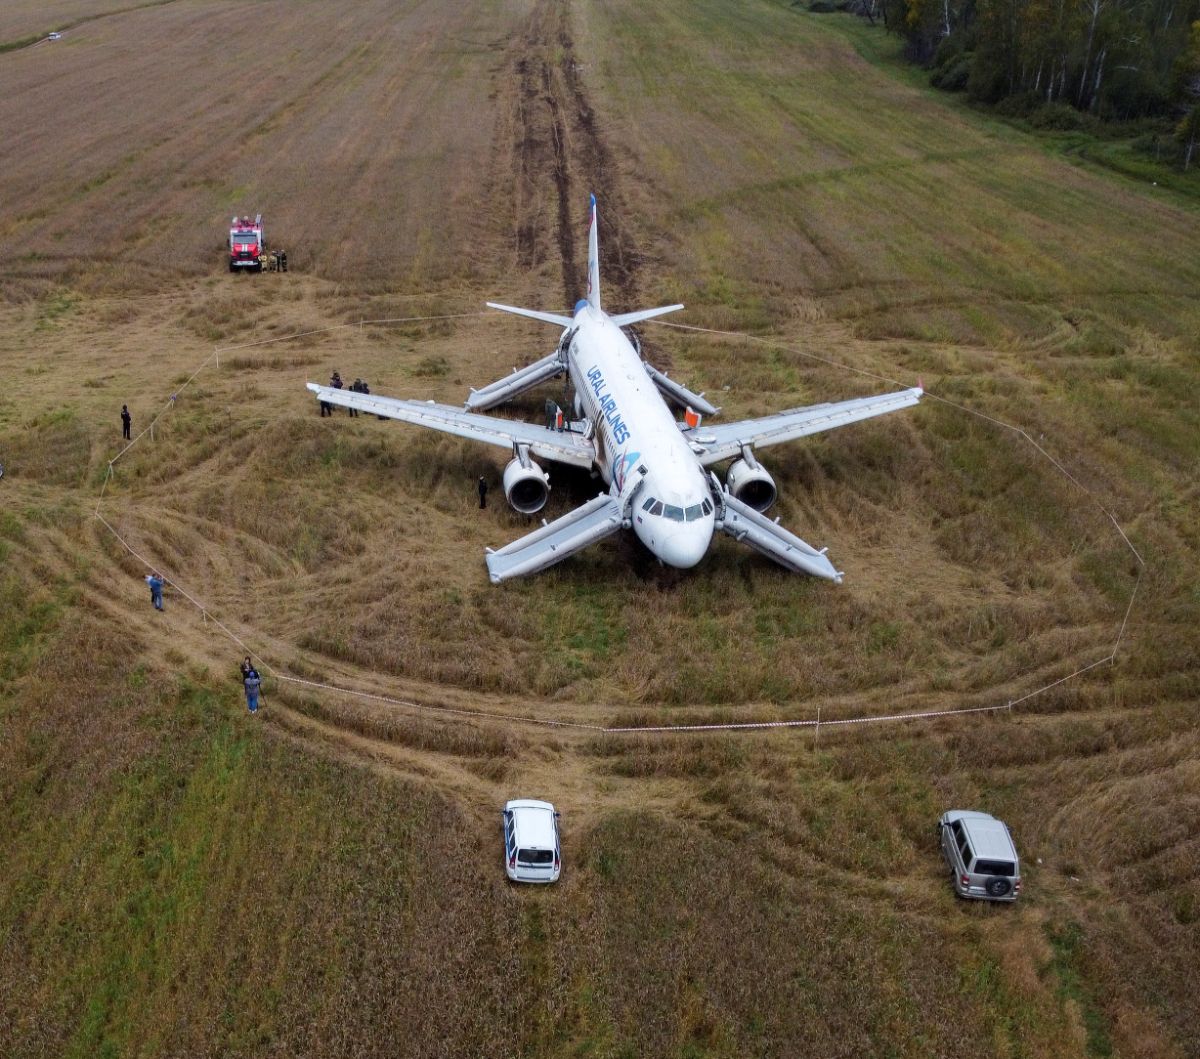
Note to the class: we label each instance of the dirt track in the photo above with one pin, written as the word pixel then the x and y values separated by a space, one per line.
pixel 559 143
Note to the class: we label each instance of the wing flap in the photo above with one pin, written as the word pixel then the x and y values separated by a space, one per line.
pixel 680 394
pixel 553 542
pixel 725 440
pixel 519 381
pixel 751 527
pixel 560 446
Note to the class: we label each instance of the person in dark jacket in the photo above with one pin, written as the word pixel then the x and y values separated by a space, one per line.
pixel 367 390
pixel 483 488
pixel 335 380
pixel 126 419
pixel 252 683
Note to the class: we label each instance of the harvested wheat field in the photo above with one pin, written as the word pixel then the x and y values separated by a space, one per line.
pixel 178 878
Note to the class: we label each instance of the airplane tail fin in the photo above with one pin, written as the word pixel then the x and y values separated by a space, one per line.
pixel 593 290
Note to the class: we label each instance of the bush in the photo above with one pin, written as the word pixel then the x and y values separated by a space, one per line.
pixel 1059 117
pixel 1021 105
pixel 954 75
pixel 988 82
pixel 822 7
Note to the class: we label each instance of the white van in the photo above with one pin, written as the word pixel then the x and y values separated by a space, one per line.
pixel 532 852
pixel 981 856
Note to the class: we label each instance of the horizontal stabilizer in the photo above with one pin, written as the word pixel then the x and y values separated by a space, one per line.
pixel 518 382
pixel 623 319
pixel 680 394
pixel 595 520
pixel 534 314
pixel 751 527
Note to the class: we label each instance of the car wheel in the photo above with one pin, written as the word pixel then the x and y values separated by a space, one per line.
pixel 998 887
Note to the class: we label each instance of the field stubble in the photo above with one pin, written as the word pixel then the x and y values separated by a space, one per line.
pixel 163 853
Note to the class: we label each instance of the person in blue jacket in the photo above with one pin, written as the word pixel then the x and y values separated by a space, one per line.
pixel 253 683
pixel 156 586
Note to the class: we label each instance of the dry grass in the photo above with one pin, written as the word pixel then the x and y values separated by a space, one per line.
pixel 177 880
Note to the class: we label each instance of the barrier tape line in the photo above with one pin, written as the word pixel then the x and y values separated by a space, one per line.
pixel 814 723
pixel 481 714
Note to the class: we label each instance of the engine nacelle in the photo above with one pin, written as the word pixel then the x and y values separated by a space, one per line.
pixel 526 486
pixel 749 481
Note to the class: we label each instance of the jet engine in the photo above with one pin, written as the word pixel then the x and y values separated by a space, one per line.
pixel 526 485
pixel 750 482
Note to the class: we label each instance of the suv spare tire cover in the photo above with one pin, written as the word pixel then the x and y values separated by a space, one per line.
pixel 998 887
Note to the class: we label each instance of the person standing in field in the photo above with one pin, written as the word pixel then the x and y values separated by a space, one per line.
pixel 252 682
pixel 367 390
pixel 156 586
pixel 483 488
pixel 126 420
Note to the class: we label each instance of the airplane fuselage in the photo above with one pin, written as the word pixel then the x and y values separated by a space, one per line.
pixel 673 513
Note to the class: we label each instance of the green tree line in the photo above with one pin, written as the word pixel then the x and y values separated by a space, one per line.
pixel 1114 59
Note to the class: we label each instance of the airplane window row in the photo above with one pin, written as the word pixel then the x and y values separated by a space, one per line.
pixel 678 514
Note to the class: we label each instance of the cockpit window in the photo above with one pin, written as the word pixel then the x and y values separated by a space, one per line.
pixel 657 509
pixel 649 504
pixel 675 514
pixel 694 512
pixel 708 507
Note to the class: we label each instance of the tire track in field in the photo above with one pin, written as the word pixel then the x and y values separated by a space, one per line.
pixel 24 43
pixel 559 143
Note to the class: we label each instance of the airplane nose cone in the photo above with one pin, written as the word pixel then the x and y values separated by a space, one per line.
pixel 687 547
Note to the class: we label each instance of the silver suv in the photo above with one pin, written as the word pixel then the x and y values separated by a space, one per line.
pixel 981 856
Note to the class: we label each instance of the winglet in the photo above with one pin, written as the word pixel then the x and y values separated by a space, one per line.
pixel 593 291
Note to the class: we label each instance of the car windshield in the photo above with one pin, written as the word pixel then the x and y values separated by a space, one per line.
pixel 675 514
pixel 993 867
pixel 245 237
pixel 535 857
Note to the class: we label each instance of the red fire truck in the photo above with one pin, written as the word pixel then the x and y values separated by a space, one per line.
pixel 247 247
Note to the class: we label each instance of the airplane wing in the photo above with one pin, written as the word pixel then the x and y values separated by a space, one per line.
pixel 721 442
pixel 560 446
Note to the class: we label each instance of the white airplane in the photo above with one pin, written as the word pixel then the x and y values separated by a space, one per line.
pixel 655 467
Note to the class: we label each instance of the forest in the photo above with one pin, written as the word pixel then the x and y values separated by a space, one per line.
pixel 1057 60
